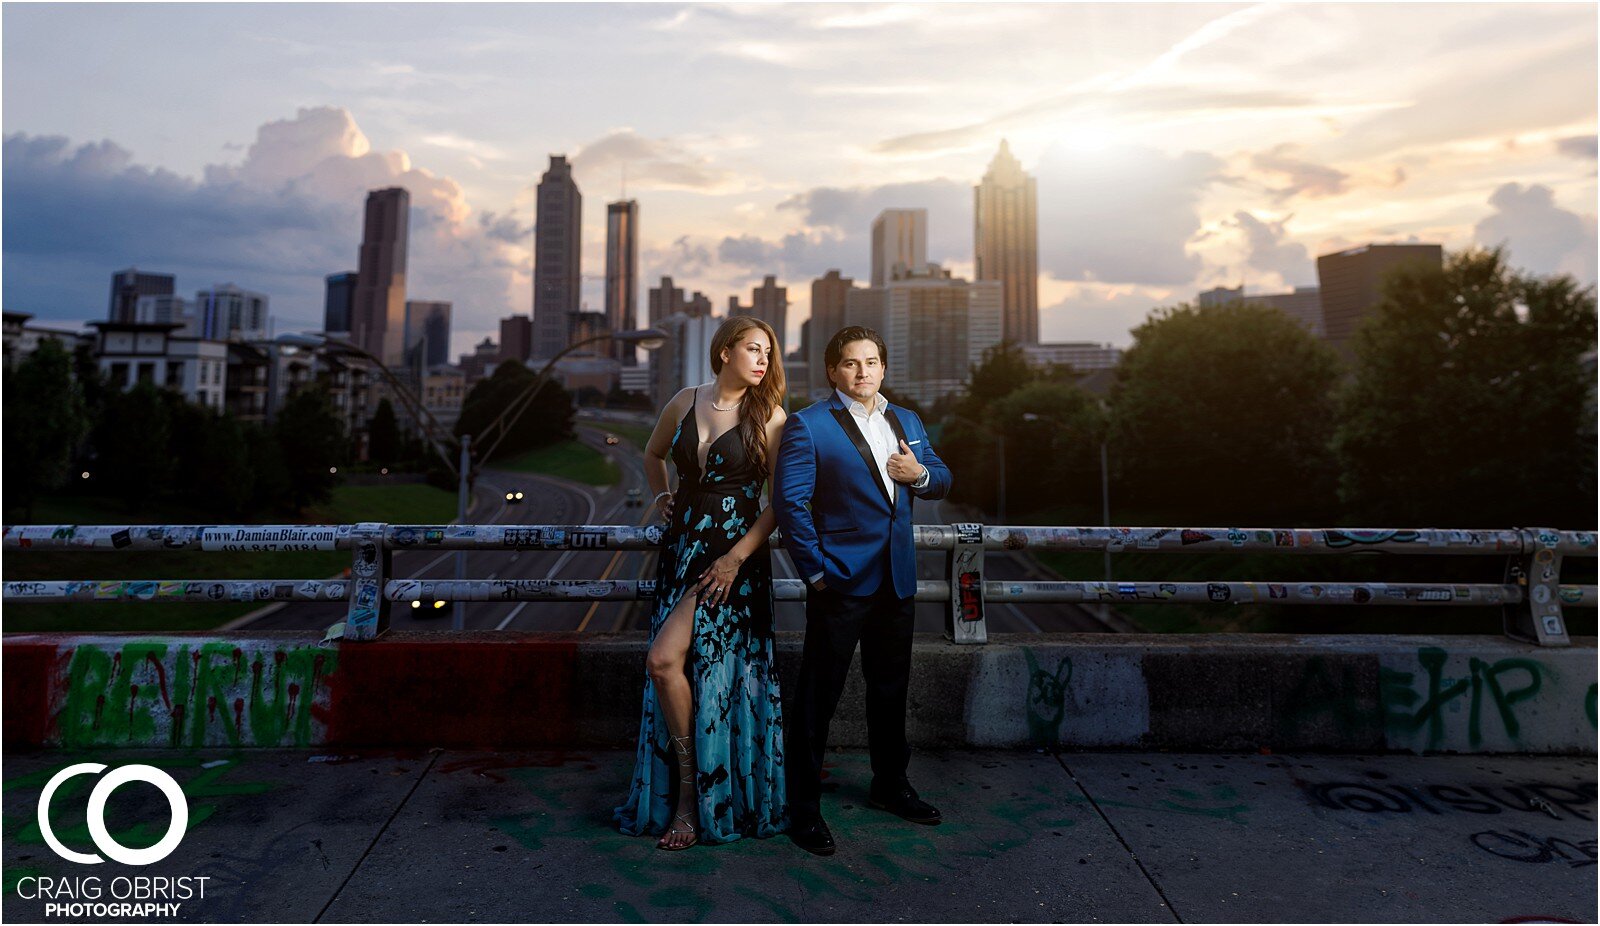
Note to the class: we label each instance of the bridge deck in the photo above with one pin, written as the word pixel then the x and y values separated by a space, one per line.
pixel 1152 837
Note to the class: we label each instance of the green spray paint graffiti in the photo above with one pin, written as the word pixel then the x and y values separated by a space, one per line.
pixel 1046 702
pixel 627 880
pixel 1506 681
pixel 204 791
pixel 180 693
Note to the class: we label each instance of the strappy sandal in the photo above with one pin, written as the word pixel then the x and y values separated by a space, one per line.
pixel 682 746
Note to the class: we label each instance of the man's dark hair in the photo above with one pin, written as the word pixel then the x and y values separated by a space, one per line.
pixel 843 336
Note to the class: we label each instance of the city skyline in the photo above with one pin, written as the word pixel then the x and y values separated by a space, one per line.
pixel 1175 148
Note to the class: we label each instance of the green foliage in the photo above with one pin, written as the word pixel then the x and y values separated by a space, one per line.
pixel 312 440
pixel 546 420
pixel 133 440
pixel 45 420
pixel 1466 412
pixel 1224 415
pixel 1052 434
pixel 383 435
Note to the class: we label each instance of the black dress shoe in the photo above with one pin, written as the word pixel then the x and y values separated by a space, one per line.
pixel 903 802
pixel 812 835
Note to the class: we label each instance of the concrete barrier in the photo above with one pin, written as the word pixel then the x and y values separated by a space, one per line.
pixel 1231 693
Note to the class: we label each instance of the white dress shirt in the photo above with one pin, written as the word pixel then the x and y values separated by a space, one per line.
pixel 880 437
pixel 875 428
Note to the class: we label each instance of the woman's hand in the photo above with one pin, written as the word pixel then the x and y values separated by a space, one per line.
pixel 716 582
pixel 664 503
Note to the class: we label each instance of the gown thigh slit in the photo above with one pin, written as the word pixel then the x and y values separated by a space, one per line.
pixel 738 714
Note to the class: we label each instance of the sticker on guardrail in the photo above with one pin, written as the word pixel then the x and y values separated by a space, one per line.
pixel 260 540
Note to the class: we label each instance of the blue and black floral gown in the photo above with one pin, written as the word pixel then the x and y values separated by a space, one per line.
pixel 738 735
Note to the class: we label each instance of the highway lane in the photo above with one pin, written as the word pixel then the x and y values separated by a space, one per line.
pixel 552 501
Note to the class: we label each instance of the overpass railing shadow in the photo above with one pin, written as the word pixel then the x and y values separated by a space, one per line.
pixel 1531 596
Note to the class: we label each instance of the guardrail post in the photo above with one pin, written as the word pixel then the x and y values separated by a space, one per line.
pixel 1537 618
pixel 369 609
pixel 964 620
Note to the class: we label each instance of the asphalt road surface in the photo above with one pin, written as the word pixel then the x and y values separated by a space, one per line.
pixel 555 501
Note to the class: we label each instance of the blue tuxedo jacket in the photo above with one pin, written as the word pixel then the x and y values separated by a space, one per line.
pixel 836 516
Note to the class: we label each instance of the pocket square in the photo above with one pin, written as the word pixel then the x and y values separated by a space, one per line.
pixel 913 443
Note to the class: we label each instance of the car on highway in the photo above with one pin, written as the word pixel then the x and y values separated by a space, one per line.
pixel 513 498
pixel 635 498
pixel 611 439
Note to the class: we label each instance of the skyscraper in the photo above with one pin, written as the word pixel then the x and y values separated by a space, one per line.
pixel 899 243
pixel 337 306
pixel 1351 283
pixel 427 333
pixel 128 285
pixel 1006 238
pixel 622 273
pixel 770 303
pixel 516 338
pixel 228 313
pixel 378 318
pixel 665 300
pixel 557 257
pixel 829 295
pixel 936 327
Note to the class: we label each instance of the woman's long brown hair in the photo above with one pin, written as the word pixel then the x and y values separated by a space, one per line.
pixel 759 400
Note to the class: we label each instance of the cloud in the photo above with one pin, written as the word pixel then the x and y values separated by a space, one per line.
pixel 1269 250
pixel 1582 147
pixel 1094 312
pixel 655 163
pixel 1541 237
pixel 281 219
pixel 1122 215
pixel 1304 178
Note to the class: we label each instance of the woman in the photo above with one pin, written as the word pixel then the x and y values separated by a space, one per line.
pixel 710 760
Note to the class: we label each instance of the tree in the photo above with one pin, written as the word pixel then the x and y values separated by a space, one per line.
pixel 1472 403
pixel 45 420
pixel 1224 416
pixel 546 420
pixel 269 486
pixel 133 445
pixel 312 440
pixel 383 435
pixel 1052 434
pixel 968 442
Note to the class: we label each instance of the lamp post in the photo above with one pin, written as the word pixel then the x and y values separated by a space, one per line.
pixel 467 471
pixel 648 338
pixel 999 435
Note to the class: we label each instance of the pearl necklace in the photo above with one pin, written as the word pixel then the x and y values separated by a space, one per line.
pixel 729 409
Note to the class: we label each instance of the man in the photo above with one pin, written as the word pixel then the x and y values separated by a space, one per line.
pixel 848 469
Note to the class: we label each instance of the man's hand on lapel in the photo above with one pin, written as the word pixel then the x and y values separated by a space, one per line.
pixel 903 466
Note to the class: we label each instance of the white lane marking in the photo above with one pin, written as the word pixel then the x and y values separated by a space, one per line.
pixel 554 570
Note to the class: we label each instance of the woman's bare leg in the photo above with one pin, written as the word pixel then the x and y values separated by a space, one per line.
pixel 667 665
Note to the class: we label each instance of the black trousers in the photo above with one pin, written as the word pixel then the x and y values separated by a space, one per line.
pixel 882 623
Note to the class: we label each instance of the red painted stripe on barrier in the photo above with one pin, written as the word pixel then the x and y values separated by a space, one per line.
pixel 477 692
pixel 31 680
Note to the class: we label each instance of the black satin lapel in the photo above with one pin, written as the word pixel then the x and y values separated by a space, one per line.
pixel 848 422
pixel 899 435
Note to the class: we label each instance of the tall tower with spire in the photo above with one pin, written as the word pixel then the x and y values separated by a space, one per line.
pixel 1006 242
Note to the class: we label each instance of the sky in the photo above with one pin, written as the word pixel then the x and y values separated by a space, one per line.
pixel 1176 147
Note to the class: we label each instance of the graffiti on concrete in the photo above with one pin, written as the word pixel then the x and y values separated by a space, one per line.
pixel 1519 846
pixel 1046 699
pixel 626 883
pixel 204 791
pixel 1491 691
pixel 166 692
pixel 1439 800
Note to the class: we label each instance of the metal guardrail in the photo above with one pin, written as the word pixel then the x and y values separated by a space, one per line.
pixel 1531 597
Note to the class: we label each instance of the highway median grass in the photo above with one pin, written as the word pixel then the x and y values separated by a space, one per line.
pixel 410 503
pixel 568 459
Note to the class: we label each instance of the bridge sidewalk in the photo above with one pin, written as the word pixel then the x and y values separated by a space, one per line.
pixel 1155 837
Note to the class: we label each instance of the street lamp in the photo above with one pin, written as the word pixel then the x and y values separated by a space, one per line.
pixel 466 471
pixel 424 419
pixel 648 338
